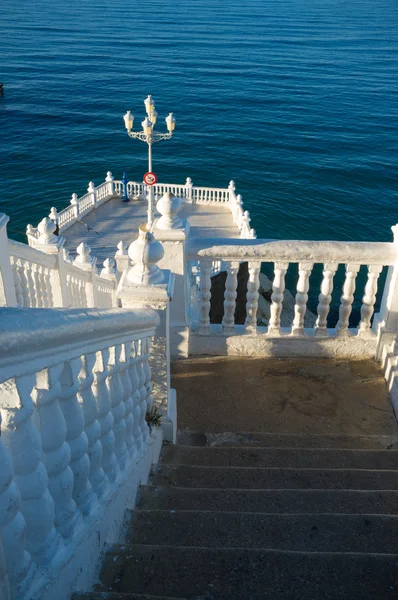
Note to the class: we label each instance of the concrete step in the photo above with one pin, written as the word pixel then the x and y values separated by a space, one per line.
pixel 288 440
pixel 119 596
pixel 269 501
pixel 293 458
pixel 274 478
pixel 298 533
pixel 220 574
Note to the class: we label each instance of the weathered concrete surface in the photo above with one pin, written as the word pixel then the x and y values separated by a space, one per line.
pixel 115 221
pixel 281 395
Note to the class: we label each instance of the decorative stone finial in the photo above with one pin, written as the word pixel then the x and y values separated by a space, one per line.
pixel 394 230
pixel 46 229
pixel 231 185
pixel 31 231
pixel 109 177
pixel 74 199
pixel 54 215
pixel 109 270
pixel 168 206
pixel 189 181
pixel 122 249
pixel 91 187
pixel 83 258
pixel 145 252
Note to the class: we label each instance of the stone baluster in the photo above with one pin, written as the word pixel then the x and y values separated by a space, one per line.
pixel 37 282
pixel 110 181
pixel 369 298
pixel 92 427
pixel 105 416
pixel 231 285
pixel 13 527
pixel 143 390
pixel 127 396
pixel 347 298
pixel 57 454
pixel 27 268
pixel 204 297
pixel 300 307
pixel 122 257
pixel 75 434
pixel 86 262
pixel 278 288
pixel 147 370
pixel 5 586
pixel 188 190
pixel 253 285
pixel 23 441
pixel 75 203
pixel 136 398
pixel 92 191
pixel 17 283
pixel 20 269
pixel 324 298
pixel 118 409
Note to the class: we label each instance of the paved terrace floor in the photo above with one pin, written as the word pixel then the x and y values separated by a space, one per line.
pixel 115 221
pixel 283 395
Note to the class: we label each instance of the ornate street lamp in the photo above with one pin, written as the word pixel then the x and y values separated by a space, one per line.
pixel 150 136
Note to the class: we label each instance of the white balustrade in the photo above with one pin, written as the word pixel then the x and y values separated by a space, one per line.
pixel 283 253
pixel 64 402
pixel 231 285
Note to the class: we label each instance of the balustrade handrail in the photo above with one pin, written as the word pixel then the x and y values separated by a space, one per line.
pixel 32 337
pixel 25 252
pixel 294 251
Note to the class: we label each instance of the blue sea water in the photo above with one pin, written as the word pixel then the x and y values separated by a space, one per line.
pixel 294 99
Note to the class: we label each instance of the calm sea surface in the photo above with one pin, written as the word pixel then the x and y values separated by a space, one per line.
pixel 294 99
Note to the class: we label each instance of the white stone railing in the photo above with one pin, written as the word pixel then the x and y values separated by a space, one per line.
pixel 75 386
pixel 202 254
pixel 44 276
pixel 80 207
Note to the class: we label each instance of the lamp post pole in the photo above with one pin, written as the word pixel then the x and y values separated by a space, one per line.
pixel 150 136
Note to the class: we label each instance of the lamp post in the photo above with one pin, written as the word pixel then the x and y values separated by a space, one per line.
pixel 150 136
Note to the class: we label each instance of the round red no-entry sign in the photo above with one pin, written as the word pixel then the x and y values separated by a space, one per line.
pixel 150 178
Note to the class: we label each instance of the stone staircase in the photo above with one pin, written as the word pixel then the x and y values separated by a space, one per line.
pixel 263 516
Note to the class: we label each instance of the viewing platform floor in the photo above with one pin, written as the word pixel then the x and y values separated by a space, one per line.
pixel 103 228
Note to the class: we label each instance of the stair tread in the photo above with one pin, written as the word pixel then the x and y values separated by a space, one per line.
pixel 281 457
pixel 266 500
pixel 296 532
pixel 256 574
pixel 274 478
pixel 119 596
pixel 299 440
